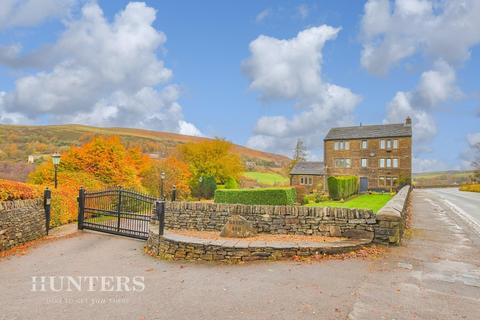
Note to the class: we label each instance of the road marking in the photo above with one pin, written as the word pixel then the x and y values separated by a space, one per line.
pixel 462 214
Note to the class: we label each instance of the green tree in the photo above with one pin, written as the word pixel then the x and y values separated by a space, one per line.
pixel 212 158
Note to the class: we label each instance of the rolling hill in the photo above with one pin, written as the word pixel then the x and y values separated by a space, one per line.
pixel 17 142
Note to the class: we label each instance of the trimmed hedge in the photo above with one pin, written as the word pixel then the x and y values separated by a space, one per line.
pixel 342 187
pixel 265 196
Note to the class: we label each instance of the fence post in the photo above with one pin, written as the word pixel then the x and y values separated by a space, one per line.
pixel 81 207
pixel 174 193
pixel 119 209
pixel 47 198
pixel 160 210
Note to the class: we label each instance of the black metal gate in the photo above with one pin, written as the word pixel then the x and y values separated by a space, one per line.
pixel 116 211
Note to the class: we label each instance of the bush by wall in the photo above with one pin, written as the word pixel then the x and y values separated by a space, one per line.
pixel 342 187
pixel 266 196
pixel 12 190
pixel 470 187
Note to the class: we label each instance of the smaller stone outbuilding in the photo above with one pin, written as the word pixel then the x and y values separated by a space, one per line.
pixel 310 175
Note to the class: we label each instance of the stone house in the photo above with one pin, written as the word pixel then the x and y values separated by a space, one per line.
pixel 379 155
pixel 308 174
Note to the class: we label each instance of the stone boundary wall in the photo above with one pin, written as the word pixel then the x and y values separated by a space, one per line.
pixel 387 225
pixel 21 221
pixel 297 220
pixel 392 217
pixel 171 247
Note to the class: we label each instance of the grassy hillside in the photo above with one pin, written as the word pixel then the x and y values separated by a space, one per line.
pixel 442 178
pixel 267 178
pixel 17 142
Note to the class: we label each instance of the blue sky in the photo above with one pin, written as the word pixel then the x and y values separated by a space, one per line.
pixel 259 73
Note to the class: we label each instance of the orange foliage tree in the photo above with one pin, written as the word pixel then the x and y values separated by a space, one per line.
pixel 101 162
pixel 176 173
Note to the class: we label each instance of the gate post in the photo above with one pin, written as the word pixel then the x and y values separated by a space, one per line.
pixel 174 193
pixel 119 209
pixel 81 207
pixel 160 210
pixel 47 197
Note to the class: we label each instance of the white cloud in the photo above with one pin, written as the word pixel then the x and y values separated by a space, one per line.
pixel 27 13
pixel 436 86
pixel 472 153
pixel 104 74
pixel 303 11
pixel 440 29
pixel 262 15
pixel 291 70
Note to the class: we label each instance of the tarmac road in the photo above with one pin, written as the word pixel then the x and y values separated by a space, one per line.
pixel 465 204
pixel 435 274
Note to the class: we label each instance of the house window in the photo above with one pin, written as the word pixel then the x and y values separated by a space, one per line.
pixel 341 145
pixel 389 144
pixel 395 163
pixel 364 163
pixel 394 181
pixel 364 144
pixel 381 163
pixel 382 144
pixel 343 163
pixel 389 163
pixel 395 144
pixel 381 181
pixel 306 181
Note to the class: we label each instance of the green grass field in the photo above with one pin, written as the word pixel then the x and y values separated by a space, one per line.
pixel 267 178
pixel 365 201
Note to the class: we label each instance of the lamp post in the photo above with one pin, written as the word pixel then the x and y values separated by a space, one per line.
pixel 162 178
pixel 56 162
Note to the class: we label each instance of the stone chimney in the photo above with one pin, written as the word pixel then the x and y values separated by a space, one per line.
pixel 408 122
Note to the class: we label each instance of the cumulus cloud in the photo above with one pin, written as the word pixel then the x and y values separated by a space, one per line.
pixel 435 87
pixel 104 74
pixel 290 70
pixel 27 13
pixel 440 29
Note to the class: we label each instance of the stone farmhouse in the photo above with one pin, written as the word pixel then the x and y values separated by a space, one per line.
pixel 379 155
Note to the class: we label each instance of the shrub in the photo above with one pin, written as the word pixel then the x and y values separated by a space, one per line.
pixel 231 183
pixel 12 190
pixel 342 187
pixel 470 187
pixel 266 196
pixel 204 188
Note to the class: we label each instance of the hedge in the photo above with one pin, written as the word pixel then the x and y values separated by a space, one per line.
pixel 470 187
pixel 13 190
pixel 342 187
pixel 266 196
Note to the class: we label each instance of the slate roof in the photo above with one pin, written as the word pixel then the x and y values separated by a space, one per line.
pixel 371 131
pixel 308 167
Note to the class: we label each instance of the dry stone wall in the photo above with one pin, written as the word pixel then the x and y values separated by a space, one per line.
pixel 270 219
pixel 21 221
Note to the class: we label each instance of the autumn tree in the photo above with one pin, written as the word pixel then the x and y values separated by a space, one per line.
pixel 176 173
pixel 103 159
pixel 212 158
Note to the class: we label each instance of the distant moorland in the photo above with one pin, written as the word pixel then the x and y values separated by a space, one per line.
pixel 18 142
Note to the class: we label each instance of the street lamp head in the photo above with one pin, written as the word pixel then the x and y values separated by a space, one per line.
pixel 56 158
pixel 162 175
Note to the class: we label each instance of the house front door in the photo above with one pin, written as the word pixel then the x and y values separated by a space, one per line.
pixel 363 184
